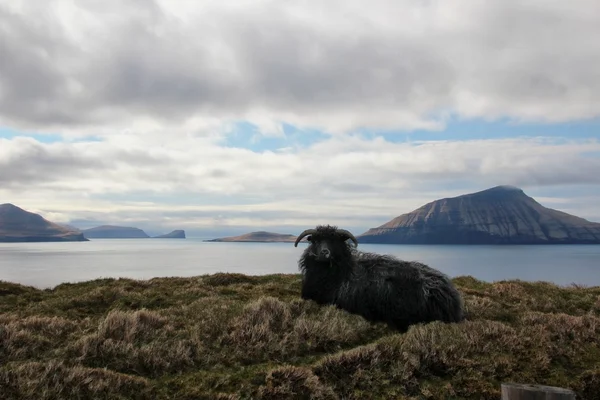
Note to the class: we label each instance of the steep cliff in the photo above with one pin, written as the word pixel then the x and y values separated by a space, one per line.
pixel 500 215
pixel 18 225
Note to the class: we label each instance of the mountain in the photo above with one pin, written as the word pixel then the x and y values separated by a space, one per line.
pixel 176 234
pixel 500 215
pixel 114 232
pixel 260 236
pixel 18 225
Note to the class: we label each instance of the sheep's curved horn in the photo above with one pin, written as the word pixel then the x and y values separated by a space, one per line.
pixel 349 235
pixel 303 234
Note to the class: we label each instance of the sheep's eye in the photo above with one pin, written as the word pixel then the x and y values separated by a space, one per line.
pixel 309 238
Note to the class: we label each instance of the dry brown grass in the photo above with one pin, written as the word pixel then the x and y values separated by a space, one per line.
pixel 23 338
pixel 140 342
pixel 289 382
pixel 54 380
pixel 222 279
pixel 231 336
pixel 273 330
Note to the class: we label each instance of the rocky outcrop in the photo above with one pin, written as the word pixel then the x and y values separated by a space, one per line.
pixel 18 225
pixel 500 215
pixel 176 234
pixel 114 232
pixel 260 236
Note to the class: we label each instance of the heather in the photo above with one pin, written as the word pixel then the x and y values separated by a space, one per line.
pixel 233 336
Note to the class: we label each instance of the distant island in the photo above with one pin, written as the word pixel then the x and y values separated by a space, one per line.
pixel 500 215
pixel 18 225
pixel 114 232
pixel 127 232
pixel 260 236
pixel 176 234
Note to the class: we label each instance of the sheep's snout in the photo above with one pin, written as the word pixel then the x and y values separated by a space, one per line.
pixel 322 252
pixel 325 254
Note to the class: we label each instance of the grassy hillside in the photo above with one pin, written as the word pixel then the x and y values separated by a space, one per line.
pixel 230 336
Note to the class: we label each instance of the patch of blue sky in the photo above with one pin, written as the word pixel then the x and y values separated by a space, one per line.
pixel 248 136
pixel 9 133
pixel 477 129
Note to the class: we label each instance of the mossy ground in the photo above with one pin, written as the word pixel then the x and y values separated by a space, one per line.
pixel 231 336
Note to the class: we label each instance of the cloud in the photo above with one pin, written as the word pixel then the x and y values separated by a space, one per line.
pixel 162 86
pixel 96 67
pixel 346 180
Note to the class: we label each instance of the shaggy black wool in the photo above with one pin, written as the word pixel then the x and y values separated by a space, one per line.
pixel 381 288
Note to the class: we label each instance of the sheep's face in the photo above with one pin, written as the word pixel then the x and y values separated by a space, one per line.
pixel 321 248
pixel 327 244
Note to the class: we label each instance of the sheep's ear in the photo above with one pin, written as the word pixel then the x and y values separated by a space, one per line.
pixel 309 238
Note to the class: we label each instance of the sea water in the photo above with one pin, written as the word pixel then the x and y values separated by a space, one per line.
pixel 49 264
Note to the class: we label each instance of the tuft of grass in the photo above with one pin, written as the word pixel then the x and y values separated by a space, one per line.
pixel 232 336
pixel 130 326
pixel 55 380
pixel 14 289
pixel 226 279
pixel 138 342
pixel 270 329
pixel 290 382
pixel 23 338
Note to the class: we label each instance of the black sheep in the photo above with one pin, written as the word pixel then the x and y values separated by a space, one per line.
pixel 381 288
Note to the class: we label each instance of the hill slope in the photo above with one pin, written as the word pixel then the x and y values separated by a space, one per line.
pixel 18 225
pixel 114 232
pixel 500 215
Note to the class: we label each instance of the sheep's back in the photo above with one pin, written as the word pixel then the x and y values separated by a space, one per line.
pixel 414 287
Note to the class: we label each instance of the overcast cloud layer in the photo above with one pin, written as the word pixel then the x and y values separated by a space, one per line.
pixel 346 180
pixel 335 65
pixel 160 86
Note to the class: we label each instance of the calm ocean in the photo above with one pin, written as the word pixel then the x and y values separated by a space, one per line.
pixel 49 264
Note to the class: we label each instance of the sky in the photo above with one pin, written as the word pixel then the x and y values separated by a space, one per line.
pixel 223 117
